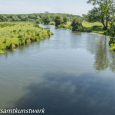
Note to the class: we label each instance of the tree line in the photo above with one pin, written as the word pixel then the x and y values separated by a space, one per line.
pixel 40 17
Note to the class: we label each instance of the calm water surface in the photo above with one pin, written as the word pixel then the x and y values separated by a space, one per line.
pixel 68 74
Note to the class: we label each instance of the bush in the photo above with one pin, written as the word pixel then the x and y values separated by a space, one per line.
pixel 58 20
pixel 46 19
pixel 65 20
pixel 52 23
pixel 77 24
pixel 9 46
pixel 14 30
pixel 111 32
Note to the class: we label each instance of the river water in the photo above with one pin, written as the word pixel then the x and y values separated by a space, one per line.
pixel 69 73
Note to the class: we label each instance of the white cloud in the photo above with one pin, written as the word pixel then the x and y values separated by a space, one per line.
pixel 37 6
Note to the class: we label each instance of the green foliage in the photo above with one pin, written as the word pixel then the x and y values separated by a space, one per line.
pixel 102 12
pixel 2 18
pixel 111 33
pixel 2 25
pixel 65 20
pixel 52 23
pixel 20 34
pixel 46 19
pixel 94 15
pixel 86 27
pixel 38 21
pixel 58 20
pixel 66 26
pixel 112 47
pixel 85 17
pixel 36 17
pixel 96 27
pixel 77 24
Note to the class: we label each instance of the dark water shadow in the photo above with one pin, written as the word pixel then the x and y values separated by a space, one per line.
pixel 66 94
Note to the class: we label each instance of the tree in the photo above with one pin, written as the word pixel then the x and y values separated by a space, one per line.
pixel 65 20
pixel 15 18
pixel 2 18
pixel 77 24
pixel 95 15
pixel 104 9
pixel 58 20
pixel 85 17
pixel 23 17
pixel 46 19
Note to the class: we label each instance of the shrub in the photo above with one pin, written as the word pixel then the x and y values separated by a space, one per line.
pixel 14 30
pixel 65 20
pixel 77 24
pixel 58 20
pixel 9 46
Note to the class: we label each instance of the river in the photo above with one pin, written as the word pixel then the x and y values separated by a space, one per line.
pixel 69 73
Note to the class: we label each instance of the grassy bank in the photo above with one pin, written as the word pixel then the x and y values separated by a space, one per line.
pixel 14 34
pixel 95 27
pixel 66 26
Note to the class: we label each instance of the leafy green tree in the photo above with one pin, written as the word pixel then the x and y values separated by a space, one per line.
pixel 15 18
pixel 65 20
pixel 2 18
pixel 85 17
pixel 46 19
pixel 95 15
pixel 77 24
pixel 36 17
pixel 104 9
pixel 58 20
pixel 23 17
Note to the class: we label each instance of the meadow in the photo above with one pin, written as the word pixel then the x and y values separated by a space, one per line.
pixel 95 27
pixel 14 34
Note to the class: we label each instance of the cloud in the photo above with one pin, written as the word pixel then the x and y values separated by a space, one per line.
pixel 38 6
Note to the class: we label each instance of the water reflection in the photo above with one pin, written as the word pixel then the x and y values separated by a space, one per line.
pixel 98 45
pixel 112 61
pixel 102 55
pixel 67 94
pixel 77 33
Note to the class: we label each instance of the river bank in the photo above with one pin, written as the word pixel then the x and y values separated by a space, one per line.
pixel 95 27
pixel 14 34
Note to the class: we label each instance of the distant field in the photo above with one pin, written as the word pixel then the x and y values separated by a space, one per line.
pixel 96 27
pixel 88 24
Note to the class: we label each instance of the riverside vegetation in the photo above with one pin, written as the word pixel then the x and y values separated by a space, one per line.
pixel 14 34
pixel 103 13
pixel 79 24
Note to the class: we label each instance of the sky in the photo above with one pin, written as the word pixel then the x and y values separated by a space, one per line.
pixel 76 7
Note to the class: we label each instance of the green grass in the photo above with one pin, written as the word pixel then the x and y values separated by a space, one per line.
pixel 112 47
pixel 14 34
pixel 95 27
pixel 66 26
pixel 88 24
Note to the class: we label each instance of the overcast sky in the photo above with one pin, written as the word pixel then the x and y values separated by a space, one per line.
pixel 77 7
